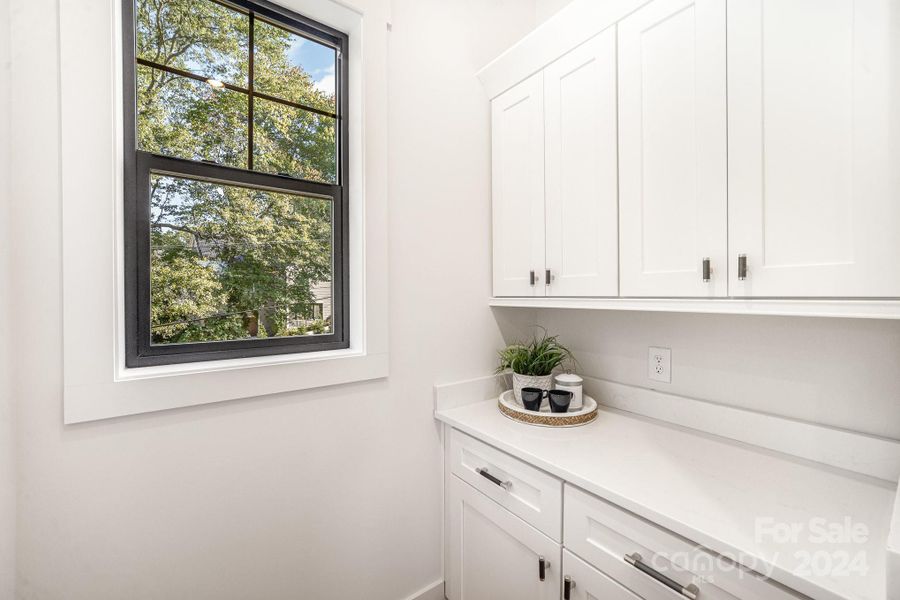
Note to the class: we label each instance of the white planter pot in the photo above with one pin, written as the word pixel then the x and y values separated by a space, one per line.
pixel 544 382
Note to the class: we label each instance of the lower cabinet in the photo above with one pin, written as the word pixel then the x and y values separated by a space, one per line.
pixel 605 552
pixel 494 554
pixel 581 581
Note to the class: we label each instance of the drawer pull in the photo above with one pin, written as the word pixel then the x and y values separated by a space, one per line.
pixel 484 473
pixel 691 591
pixel 568 585
pixel 543 565
pixel 742 267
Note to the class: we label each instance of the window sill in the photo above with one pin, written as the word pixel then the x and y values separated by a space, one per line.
pixel 177 386
pixel 217 366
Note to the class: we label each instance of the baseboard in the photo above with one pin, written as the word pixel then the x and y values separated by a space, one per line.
pixel 432 591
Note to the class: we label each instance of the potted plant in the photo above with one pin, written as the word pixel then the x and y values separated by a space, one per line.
pixel 532 363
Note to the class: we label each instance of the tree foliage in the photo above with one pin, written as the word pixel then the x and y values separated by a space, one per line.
pixel 230 262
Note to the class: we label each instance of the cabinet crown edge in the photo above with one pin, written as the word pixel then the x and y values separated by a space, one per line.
pixel 573 25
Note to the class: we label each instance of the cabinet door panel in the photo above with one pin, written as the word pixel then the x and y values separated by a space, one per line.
pixel 814 144
pixel 672 149
pixel 581 170
pixel 591 584
pixel 518 189
pixel 493 553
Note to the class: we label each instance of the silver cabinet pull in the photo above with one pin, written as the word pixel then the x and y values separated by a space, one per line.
pixel 484 473
pixel 742 267
pixel 531 277
pixel 690 591
pixel 543 565
pixel 706 270
pixel 568 586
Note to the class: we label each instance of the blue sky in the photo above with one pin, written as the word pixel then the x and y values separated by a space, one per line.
pixel 315 59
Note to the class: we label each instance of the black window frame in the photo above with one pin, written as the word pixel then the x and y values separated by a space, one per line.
pixel 140 164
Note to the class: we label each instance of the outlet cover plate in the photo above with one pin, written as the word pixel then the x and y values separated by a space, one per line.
pixel 659 364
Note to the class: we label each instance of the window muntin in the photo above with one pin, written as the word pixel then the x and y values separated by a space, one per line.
pixel 235 205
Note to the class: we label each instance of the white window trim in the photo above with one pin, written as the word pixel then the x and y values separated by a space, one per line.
pixel 97 385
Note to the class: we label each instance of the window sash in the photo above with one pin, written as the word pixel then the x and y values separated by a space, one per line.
pixel 139 165
pixel 140 351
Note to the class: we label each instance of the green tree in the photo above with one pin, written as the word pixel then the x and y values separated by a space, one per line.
pixel 229 262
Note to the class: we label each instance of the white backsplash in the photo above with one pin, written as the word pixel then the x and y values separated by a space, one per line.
pixel 844 373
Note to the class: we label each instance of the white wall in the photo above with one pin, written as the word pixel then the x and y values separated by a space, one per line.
pixel 839 372
pixel 7 443
pixel 332 493
pixel 544 9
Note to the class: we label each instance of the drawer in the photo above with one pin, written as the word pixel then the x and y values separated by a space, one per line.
pixel 524 490
pixel 604 535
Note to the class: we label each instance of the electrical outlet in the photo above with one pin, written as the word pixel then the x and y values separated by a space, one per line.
pixel 660 364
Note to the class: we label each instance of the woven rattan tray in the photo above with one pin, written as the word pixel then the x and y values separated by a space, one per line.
pixel 512 409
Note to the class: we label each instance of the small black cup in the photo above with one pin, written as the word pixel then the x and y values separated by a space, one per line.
pixel 532 398
pixel 559 400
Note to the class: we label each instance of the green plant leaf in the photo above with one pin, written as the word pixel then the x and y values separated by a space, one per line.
pixel 539 357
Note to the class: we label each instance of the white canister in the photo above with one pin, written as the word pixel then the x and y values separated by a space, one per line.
pixel 571 383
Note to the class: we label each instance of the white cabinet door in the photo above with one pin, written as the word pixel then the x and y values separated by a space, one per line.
pixel 581 170
pixel 493 553
pixel 814 147
pixel 518 189
pixel 672 149
pixel 587 583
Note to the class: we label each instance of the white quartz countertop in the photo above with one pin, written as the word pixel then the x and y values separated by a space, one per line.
pixel 893 554
pixel 724 495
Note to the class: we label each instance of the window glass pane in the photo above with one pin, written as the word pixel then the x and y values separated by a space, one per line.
pixel 199 36
pixel 294 142
pixel 231 263
pixel 292 67
pixel 189 119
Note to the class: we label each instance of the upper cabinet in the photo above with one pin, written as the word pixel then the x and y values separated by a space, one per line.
pixel 701 149
pixel 673 149
pixel 518 189
pixel 555 178
pixel 582 252
pixel 814 147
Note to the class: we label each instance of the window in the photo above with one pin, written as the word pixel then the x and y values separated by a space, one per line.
pixel 236 205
